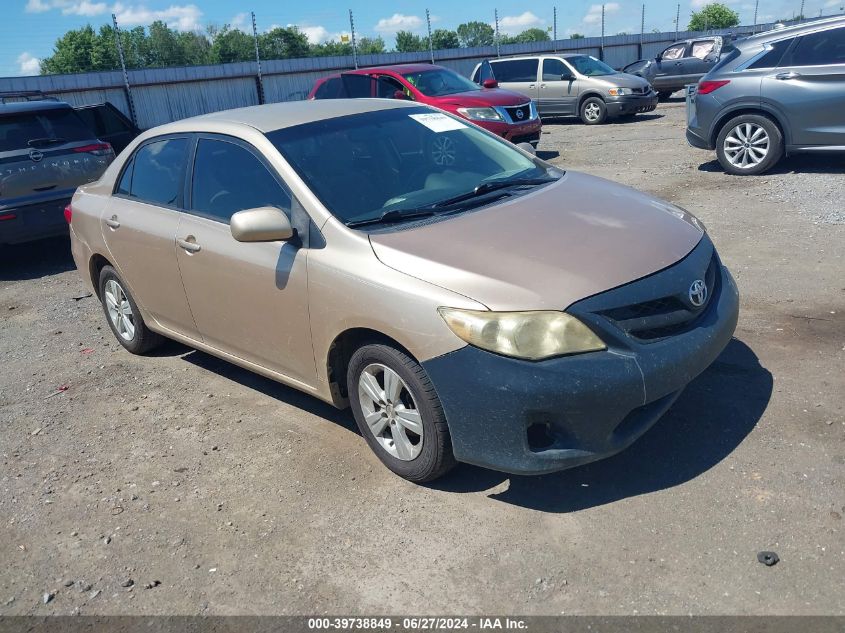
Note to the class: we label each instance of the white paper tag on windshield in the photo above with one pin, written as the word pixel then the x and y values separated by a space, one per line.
pixel 437 122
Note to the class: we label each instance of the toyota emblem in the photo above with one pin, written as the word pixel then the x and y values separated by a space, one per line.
pixel 35 156
pixel 698 293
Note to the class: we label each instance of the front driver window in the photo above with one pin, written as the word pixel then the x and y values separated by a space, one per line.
pixel 674 52
pixel 229 178
pixel 554 69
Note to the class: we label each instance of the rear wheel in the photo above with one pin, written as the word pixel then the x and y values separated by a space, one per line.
pixel 122 313
pixel 593 111
pixel 399 413
pixel 749 144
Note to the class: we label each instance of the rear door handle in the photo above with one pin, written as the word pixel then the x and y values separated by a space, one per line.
pixel 789 75
pixel 532 85
pixel 113 223
pixel 191 247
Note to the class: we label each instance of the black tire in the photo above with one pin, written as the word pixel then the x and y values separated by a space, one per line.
pixel 664 95
pixel 143 339
pixel 774 154
pixel 435 457
pixel 593 102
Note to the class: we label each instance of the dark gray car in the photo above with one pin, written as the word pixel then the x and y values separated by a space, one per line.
pixel 46 152
pixel 777 92
pixel 682 63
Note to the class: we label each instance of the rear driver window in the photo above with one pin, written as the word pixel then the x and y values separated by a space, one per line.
pixel 819 49
pixel 516 70
pixel 229 178
pixel 157 172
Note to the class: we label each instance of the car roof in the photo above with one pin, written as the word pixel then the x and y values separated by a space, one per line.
pixel 275 116
pixel 536 55
pixel 397 68
pixel 17 107
pixel 795 29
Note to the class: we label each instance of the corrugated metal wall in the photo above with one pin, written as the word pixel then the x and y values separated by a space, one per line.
pixel 162 95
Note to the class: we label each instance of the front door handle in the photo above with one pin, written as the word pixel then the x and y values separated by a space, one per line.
pixel 190 246
pixel 112 222
pixel 532 85
pixel 786 76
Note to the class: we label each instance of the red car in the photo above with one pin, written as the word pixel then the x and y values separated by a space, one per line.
pixel 507 114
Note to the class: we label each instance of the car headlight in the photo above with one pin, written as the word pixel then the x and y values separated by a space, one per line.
pixel 480 114
pixel 529 335
pixel 620 92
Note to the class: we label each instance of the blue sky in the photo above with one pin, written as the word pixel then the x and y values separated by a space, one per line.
pixel 29 28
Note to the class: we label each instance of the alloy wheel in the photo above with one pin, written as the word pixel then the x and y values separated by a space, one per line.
pixel 746 145
pixel 390 411
pixel 120 310
pixel 592 112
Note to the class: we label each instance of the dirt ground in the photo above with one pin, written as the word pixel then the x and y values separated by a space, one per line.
pixel 178 483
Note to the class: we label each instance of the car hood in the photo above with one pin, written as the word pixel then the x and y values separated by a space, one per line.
pixel 622 80
pixel 482 98
pixel 547 249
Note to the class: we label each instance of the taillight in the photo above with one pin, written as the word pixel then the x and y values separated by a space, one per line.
pixel 68 213
pixel 706 87
pixel 98 149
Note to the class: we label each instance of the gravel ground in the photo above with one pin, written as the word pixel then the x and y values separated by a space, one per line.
pixel 178 483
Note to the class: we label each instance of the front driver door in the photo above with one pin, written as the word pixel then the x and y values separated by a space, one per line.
pixel 249 299
pixel 669 66
pixel 558 88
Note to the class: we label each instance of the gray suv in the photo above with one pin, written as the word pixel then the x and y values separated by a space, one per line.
pixel 567 84
pixel 777 92
pixel 46 152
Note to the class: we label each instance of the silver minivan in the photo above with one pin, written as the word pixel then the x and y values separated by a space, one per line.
pixel 570 85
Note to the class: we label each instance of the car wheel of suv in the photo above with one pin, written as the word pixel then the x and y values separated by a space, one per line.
pixel 749 144
pixel 399 413
pixel 593 111
pixel 123 315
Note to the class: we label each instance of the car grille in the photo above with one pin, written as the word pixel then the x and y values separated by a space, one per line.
pixel 514 113
pixel 667 316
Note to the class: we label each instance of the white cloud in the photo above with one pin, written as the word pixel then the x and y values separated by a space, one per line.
pixel 37 6
pixel 398 22
pixel 85 8
pixel 513 24
pixel 594 14
pixel 238 21
pixel 318 34
pixel 28 65
pixel 180 17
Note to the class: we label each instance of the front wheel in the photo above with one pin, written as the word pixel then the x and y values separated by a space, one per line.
pixel 399 413
pixel 593 111
pixel 749 144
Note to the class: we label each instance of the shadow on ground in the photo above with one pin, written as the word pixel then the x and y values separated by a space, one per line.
pixel 796 164
pixel 35 259
pixel 574 120
pixel 710 419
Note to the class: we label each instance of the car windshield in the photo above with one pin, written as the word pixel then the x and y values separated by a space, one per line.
pixel 36 129
pixel 363 166
pixel 440 81
pixel 590 66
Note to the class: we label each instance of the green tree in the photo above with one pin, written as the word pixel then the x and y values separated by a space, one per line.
pixel 407 42
pixel 529 35
pixel 331 49
pixel 72 53
pixel 472 34
pixel 370 45
pixel 231 45
pixel 576 36
pixel 713 16
pixel 442 39
pixel 283 43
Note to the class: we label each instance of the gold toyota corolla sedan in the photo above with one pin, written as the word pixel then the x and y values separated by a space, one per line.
pixel 469 301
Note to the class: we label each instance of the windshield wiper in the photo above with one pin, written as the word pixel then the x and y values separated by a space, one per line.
pixel 487 187
pixel 46 141
pixel 392 216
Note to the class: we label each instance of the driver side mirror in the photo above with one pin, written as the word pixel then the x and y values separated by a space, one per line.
pixel 490 83
pixel 567 77
pixel 265 224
